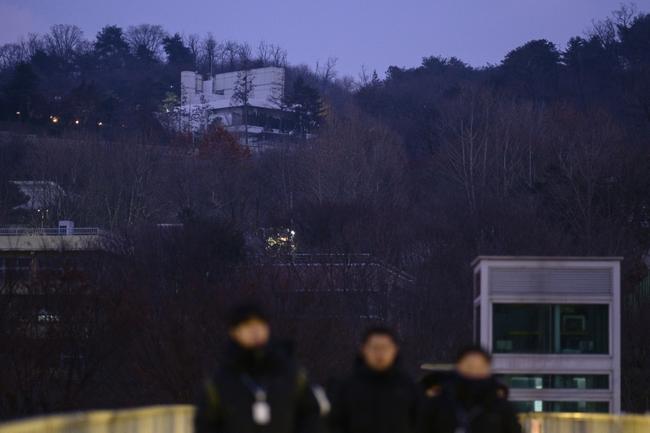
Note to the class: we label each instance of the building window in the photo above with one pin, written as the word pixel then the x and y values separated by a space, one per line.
pixel 547 328
pixel 562 406
pixel 556 381
pixel 237 118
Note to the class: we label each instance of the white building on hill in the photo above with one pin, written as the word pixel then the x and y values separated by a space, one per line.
pixel 218 100
pixel 267 88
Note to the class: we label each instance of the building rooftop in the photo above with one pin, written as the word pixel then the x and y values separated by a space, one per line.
pixel 51 239
pixel 40 193
pixel 547 258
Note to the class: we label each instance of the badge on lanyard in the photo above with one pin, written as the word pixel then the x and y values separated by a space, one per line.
pixel 261 409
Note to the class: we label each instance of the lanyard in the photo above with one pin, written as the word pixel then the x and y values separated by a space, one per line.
pixel 464 418
pixel 255 388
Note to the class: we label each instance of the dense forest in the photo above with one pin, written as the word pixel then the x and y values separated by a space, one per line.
pixel 545 153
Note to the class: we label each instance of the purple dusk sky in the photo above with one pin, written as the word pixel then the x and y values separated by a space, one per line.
pixel 375 33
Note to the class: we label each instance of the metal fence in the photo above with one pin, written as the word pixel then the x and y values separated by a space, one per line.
pixel 28 231
pixel 584 423
pixel 156 419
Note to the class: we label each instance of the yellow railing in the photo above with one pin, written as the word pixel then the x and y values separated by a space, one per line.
pixel 155 419
pixel 178 419
pixel 584 423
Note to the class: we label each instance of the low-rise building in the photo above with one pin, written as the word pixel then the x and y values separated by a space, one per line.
pixel 553 325
pixel 24 251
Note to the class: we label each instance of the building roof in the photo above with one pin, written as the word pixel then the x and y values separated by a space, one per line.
pixel 14 239
pixel 41 194
pixel 547 258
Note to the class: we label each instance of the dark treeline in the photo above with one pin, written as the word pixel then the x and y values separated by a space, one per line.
pixel 546 153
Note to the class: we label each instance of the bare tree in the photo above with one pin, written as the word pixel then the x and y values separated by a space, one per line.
pixel 210 47
pixel 228 54
pixel 327 72
pixel 33 43
pixel 64 40
pixel 10 55
pixel 245 54
pixel 364 76
pixel 193 43
pixel 271 55
pixel 146 36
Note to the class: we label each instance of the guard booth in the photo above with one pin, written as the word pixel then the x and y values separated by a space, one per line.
pixel 553 325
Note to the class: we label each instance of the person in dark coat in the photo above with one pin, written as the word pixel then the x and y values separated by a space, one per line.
pixel 378 397
pixel 471 401
pixel 432 383
pixel 258 387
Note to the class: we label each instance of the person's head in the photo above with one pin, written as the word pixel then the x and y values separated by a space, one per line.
pixel 379 348
pixel 474 362
pixel 248 326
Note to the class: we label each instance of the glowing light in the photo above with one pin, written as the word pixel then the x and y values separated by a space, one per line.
pixel 282 241
pixel 54 119
pixel 100 123
pixel 17 113
pixel 76 122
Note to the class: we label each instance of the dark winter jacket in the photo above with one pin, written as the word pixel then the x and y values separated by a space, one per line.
pixel 468 406
pixel 372 402
pixel 226 402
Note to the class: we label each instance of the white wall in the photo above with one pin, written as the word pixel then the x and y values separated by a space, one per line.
pixel 268 87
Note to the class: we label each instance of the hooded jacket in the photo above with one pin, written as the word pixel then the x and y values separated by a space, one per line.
pixel 227 399
pixel 374 402
pixel 469 406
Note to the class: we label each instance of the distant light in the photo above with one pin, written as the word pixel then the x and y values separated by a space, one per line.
pixel 100 123
pixel 55 119
pixel 17 113
pixel 76 122
pixel 293 233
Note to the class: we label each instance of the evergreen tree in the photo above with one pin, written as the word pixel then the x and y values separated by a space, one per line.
pixel 21 91
pixel 306 103
pixel 111 48
pixel 178 55
pixel 534 67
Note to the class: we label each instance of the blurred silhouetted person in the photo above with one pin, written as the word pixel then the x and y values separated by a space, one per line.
pixel 258 387
pixel 470 401
pixel 433 382
pixel 378 397
pixel 503 391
